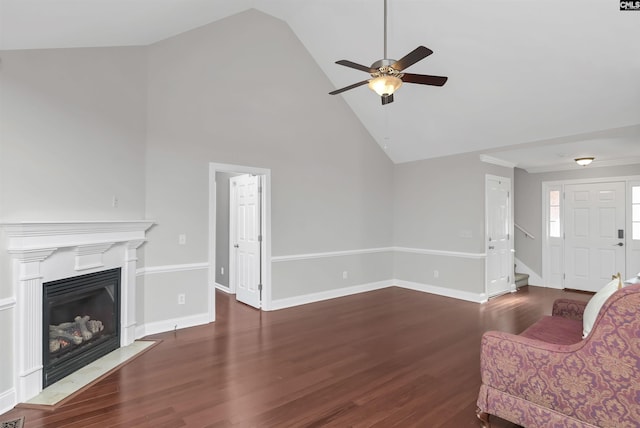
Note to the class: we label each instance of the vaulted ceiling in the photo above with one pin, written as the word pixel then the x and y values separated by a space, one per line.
pixel 533 83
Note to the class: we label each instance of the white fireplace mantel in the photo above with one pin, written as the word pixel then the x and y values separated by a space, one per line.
pixel 47 251
pixel 40 234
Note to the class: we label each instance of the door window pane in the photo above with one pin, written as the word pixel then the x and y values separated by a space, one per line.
pixel 635 212
pixel 554 213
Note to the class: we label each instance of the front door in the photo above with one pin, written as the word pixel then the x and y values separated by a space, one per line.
pixel 246 237
pixel 594 234
pixel 499 263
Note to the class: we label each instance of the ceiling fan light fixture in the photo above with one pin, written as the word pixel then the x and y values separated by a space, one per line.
pixel 385 85
pixel 387 74
pixel 584 161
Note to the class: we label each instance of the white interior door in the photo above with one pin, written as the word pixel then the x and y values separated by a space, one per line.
pixel 594 234
pixel 246 238
pixel 499 264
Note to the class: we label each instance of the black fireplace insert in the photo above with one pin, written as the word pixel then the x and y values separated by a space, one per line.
pixel 81 322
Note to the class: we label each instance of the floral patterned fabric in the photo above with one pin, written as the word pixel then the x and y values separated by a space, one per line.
pixel 567 308
pixel 592 383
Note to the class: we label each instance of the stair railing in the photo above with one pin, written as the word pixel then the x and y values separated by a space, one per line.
pixel 523 230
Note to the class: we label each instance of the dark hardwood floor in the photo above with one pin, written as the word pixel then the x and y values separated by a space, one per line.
pixel 386 358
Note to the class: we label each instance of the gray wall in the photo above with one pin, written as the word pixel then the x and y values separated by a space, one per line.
pixel 528 210
pixel 437 203
pixel 301 277
pixel 222 226
pixel 72 136
pixel 331 183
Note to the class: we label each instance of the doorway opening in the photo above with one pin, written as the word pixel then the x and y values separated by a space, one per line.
pixel 240 234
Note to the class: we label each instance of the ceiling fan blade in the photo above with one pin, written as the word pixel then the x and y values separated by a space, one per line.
pixel 424 79
pixel 360 67
pixel 346 88
pixel 411 58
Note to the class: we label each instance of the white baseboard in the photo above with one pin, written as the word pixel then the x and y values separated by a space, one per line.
pixel 171 324
pixel 200 319
pixel 223 288
pixel 441 291
pixel 326 295
pixel 347 291
pixel 140 332
pixel 557 287
pixel 8 399
pixel 534 278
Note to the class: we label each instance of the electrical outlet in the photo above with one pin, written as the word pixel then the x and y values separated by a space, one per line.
pixel 465 233
pixel 114 202
pixel 182 239
pixel 222 270
pixel 436 274
pixel 181 298
pixel 345 275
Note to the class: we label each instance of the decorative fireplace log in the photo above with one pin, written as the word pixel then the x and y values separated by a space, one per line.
pixel 67 333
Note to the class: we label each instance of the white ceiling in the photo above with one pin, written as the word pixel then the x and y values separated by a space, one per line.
pixel 531 82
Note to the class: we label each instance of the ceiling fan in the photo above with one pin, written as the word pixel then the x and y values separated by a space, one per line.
pixel 386 74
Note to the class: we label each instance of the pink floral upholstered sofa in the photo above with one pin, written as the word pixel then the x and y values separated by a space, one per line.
pixel 549 376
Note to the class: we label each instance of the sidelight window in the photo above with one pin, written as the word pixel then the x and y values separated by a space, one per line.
pixel 635 212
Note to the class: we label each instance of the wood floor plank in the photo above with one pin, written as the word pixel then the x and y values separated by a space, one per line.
pixel 392 357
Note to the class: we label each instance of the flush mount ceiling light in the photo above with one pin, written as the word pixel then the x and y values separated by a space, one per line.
pixel 584 161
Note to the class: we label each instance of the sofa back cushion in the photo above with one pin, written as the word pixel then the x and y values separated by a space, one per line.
pixel 594 305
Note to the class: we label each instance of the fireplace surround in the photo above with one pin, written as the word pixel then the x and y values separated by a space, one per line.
pixel 49 251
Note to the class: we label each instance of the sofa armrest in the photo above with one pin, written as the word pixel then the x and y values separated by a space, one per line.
pixel 532 370
pixel 568 308
pixel 504 356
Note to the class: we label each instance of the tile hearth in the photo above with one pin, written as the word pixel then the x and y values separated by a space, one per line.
pixel 65 388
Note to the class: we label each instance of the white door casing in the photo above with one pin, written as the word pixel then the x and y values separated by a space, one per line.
pixel 594 218
pixel 265 264
pixel 633 229
pixel 499 233
pixel 245 231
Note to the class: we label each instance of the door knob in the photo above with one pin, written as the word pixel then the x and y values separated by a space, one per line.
pixel 491 247
pixel 619 244
pixel 236 246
